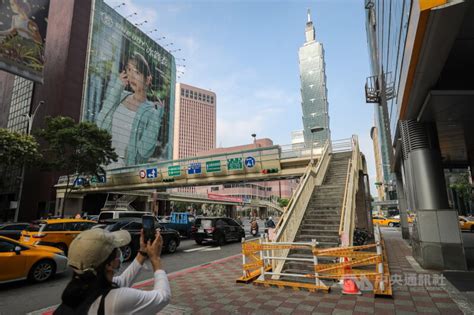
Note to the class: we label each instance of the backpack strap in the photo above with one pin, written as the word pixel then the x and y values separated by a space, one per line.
pixel 101 310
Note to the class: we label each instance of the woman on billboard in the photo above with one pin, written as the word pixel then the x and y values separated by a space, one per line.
pixel 133 121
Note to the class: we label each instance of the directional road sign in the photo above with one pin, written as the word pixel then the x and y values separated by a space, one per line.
pixel 174 170
pixel 151 173
pixel 250 162
pixel 213 166
pixel 194 168
pixel 235 164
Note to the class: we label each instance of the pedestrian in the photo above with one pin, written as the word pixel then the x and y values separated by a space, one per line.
pixel 78 216
pixel 270 224
pixel 95 256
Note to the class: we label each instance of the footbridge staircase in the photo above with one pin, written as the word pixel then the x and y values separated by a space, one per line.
pixel 323 209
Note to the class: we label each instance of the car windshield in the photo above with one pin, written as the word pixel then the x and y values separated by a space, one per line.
pixel 469 219
pixel 34 227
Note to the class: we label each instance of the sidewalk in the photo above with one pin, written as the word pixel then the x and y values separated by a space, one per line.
pixel 211 289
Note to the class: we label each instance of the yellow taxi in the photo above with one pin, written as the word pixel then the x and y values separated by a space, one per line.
pixel 37 263
pixel 466 223
pixel 55 232
pixel 381 220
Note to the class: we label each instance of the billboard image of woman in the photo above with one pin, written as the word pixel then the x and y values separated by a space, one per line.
pixel 130 89
pixel 22 31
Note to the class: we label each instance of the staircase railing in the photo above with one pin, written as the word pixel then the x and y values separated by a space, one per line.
pixel 291 219
pixel 346 227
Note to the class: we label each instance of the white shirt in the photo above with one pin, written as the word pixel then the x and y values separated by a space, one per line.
pixel 126 300
pixel 121 128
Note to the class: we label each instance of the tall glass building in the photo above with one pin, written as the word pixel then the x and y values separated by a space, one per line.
pixel 314 101
pixel 421 85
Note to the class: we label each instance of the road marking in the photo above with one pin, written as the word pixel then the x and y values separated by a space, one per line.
pixel 210 249
pixel 203 249
pixel 193 249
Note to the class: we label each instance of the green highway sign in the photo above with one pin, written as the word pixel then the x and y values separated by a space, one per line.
pixel 213 166
pixel 235 164
pixel 174 170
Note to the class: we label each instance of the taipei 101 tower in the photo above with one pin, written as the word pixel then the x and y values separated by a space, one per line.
pixel 314 101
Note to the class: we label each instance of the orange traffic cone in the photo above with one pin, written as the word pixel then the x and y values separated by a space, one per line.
pixel 349 287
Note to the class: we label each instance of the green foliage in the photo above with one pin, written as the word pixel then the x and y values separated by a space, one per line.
pixel 17 149
pixel 283 202
pixel 462 186
pixel 72 148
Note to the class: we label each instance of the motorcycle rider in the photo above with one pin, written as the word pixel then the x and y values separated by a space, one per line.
pixel 254 227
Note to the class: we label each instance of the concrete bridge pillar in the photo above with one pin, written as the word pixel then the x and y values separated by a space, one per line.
pixel 436 238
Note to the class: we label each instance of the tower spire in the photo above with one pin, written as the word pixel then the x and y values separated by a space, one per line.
pixel 310 34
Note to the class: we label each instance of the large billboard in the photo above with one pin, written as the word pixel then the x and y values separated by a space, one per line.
pixel 23 25
pixel 129 89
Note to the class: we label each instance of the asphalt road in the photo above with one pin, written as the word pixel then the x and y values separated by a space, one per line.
pixel 22 297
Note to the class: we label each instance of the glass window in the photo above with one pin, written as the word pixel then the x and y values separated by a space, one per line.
pixel 134 226
pixel 231 222
pixel 6 247
pixel 220 223
pixel 105 216
pixel 53 227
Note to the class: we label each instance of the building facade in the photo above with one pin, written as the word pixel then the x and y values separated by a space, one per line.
pixel 314 100
pixel 88 46
pixel 421 61
pixel 194 121
pixel 378 164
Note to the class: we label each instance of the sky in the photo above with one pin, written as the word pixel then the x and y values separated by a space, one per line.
pixel 247 53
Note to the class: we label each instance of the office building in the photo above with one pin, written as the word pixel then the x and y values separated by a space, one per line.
pixel 194 121
pixel 85 53
pixel 314 100
pixel 421 85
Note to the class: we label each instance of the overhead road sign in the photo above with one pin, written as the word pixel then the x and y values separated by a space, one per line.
pixel 235 164
pixel 151 173
pixel 194 168
pixel 174 170
pixel 250 162
pixel 213 166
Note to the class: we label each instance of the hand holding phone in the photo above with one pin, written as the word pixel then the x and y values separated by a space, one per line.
pixel 149 230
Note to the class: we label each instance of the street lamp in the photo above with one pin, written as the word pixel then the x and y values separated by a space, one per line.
pixel 140 24
pixel 313 131
pixel 254 138
pixel 28 131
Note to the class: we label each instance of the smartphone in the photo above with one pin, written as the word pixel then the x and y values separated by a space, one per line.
pixel 149 230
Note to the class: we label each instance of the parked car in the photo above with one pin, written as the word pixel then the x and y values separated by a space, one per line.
pixel 383 221
pixel 116 214
pixel 37 263
pixel 217 229
pixel 171 238
pixel 12 230
pixel 182 222
pixel 466 223
pixel 56 232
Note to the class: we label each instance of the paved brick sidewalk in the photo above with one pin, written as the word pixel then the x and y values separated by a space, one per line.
pixel 212 289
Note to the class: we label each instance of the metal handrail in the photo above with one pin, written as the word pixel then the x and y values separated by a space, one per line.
pixel 348 205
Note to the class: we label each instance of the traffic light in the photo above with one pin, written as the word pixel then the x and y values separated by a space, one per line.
pixel 270 170
pixel 168 180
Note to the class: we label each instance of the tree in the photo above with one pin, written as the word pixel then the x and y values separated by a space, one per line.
pixel 463 189
pixel 283 202
pixel 17 149
pixel 76 149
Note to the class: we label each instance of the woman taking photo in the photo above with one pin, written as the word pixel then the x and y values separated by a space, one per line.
pixel 95 257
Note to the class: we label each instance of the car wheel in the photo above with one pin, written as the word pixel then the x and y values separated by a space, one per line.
pixel 198 241
pixel 127 252
pixel 62 247
pixel 172 246
pixel 42 271
pixel 242 235
pixel 391 224
pixel 221 240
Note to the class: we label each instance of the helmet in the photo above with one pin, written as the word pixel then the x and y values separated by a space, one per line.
pixel 270 218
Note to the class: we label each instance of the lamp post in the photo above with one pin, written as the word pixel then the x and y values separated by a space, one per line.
pixel 28 132
pixel 314 130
